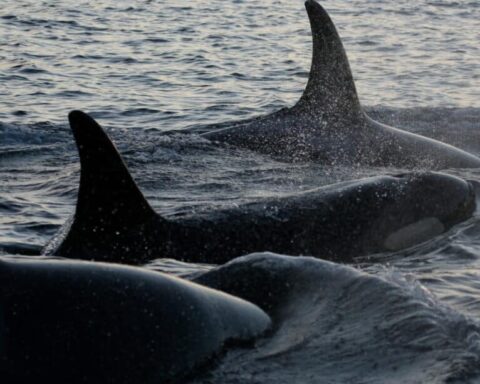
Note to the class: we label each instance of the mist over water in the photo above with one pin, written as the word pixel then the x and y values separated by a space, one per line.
pixel 145 67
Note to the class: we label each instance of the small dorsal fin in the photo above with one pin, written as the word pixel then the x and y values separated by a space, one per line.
pixel 107 192
pixel 330 87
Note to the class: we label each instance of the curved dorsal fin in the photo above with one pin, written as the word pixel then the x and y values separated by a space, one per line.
pixel 107 194
pixel 330 87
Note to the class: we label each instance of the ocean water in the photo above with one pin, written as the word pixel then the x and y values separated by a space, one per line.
pixel 148 67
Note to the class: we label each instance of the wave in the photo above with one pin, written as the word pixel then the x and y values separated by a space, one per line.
pixel 340 325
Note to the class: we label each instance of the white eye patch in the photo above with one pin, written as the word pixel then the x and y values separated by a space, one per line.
pixel 414 233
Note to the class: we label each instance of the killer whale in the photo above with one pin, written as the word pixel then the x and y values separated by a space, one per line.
pixel 328 124
pixel 114 222
pixel 266 279
pixel 82 322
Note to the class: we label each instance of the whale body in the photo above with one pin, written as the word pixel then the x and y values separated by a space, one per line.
pixel 81 322
pixel 114 222
pixel 328 124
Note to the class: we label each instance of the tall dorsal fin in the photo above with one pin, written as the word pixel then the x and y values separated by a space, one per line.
pixel 107 194
pixel 330 87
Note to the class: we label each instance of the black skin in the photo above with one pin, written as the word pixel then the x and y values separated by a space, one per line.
pixel 253 279
pixel 328 125
pixel 78 322
pixel 113 221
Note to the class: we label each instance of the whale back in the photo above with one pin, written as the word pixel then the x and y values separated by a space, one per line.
pixel 82 322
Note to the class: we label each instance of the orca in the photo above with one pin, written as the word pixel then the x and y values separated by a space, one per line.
pixel 113 221
pixel 269 280
pixel 329 126
pixel 64 321
pixel 265 279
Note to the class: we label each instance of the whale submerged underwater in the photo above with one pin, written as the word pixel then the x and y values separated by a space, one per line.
pixel 86 322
